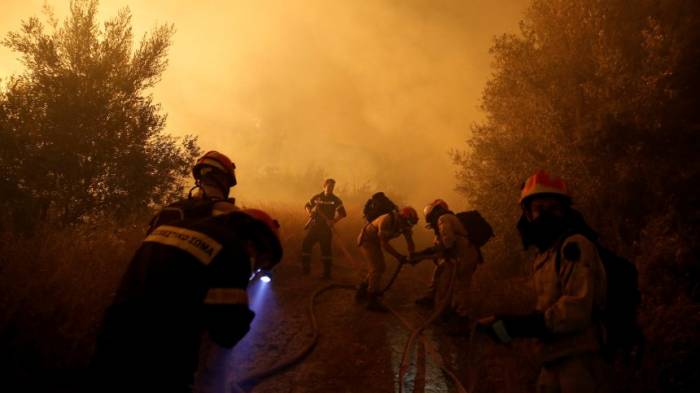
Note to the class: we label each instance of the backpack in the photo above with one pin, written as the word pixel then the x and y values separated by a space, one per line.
pixel 479 231
pixel 619 319
pixel 184 210
pixel 379 204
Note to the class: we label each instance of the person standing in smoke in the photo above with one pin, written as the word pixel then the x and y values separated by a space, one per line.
pixel 324 210
pixel 570 284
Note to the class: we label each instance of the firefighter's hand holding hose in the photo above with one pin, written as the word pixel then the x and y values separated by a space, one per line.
pixel 428 253
pixel 504 328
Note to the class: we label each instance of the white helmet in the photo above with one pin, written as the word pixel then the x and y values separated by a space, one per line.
pixel 428 210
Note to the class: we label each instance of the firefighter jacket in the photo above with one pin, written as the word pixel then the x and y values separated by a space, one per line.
pixel 186 278
pixel 570 284
pixel 385 227
pixel 192 208
pixel 451 237
pixel 324 208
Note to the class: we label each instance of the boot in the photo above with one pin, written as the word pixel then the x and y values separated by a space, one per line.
pixel 326 274
pixel 361 293
pixel 326 270
pixel 375 304
pixel 306 264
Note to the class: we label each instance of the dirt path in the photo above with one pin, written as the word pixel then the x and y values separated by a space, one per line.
pixel 358 350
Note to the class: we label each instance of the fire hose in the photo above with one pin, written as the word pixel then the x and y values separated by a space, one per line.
pixel 249 381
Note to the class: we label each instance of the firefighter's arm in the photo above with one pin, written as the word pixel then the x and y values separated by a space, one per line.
pixel 340 213
pixel 573 310
pixel 504 328
pixel 427 253
pixel 227 316
pixel 309 207
pixel 410 245
pixel 390 249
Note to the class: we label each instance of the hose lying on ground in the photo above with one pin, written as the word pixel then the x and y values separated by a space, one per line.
pixel 440 307
pixel 251 380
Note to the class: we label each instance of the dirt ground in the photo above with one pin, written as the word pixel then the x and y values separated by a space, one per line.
pixel 358 350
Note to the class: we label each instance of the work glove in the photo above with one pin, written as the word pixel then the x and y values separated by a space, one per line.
pixel 494 328
pixel 506 327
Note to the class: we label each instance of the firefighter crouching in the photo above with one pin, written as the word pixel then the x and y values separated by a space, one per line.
pixel 373 240
pixel 570 284
pixel 187 277
pixel 454 255
pixel 324 210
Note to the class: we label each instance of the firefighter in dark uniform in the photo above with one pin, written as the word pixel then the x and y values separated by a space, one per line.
pixel 188 276
pixel 324 210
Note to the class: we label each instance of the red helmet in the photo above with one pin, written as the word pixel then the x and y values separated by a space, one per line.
pixel 265 218
pixel 542 183
pixel 409 214
pixel 217 161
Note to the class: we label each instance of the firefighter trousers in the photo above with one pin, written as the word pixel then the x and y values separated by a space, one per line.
pixel 323 235
pixel 582 373
pixel 458 295
pixel 375 266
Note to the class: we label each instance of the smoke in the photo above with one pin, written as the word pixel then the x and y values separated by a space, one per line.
pixel 372 93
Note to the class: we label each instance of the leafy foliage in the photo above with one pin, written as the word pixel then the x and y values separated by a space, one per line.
pixel 79 133
pixel 605 94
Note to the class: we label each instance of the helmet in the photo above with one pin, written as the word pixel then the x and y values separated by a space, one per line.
pixel 409 214
pixel 542 183
pixel 428 210
pixel 265 218
pixel 267 249
pixel 218 162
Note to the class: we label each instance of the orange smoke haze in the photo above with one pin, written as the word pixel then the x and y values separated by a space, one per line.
pixel 370 92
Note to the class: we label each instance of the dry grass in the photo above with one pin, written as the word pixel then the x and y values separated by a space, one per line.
pixel 55 285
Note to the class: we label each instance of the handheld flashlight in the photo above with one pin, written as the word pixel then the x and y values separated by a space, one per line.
pixel 265 276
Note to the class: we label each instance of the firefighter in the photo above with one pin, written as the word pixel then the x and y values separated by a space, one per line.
pixel 453 254
pixel 187 277
pixel 214 174
pixel 374 238
pixel 570 284
pixel 324 210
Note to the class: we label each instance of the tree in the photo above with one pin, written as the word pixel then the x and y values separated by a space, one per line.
pixel 80 135
pixel 606 94
pixel 601 92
